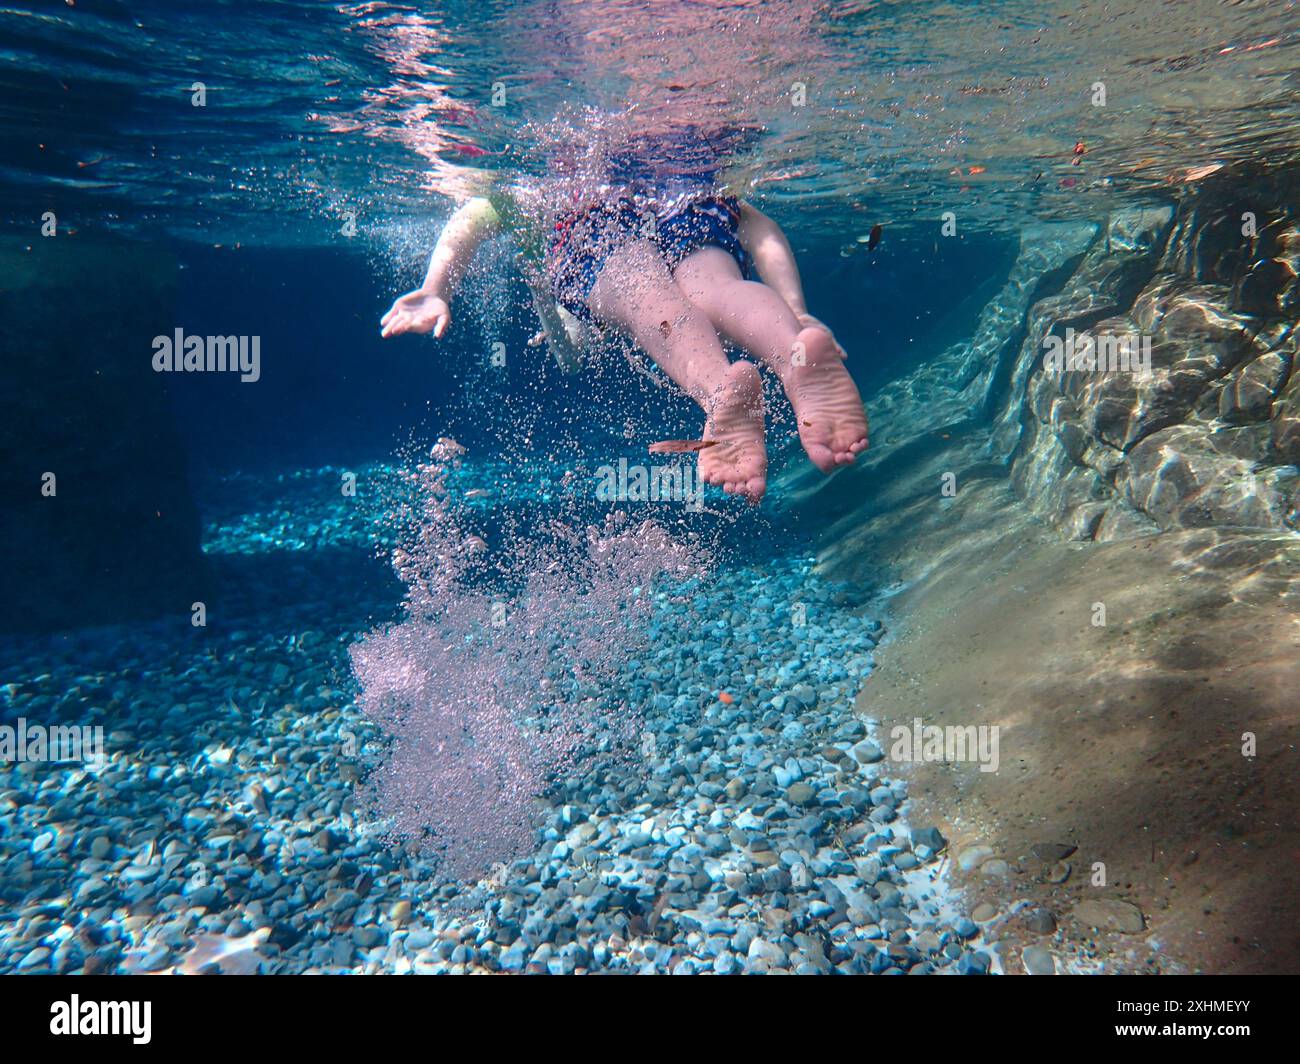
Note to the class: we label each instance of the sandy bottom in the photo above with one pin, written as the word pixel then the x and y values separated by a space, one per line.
pixel 1123 770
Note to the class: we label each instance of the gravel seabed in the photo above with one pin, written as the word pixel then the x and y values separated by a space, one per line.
pixel 755 829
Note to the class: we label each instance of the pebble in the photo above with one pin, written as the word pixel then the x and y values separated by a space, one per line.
pixel 1051 852
pixel 1057 873
pixel 800 794
pixel 973 856
pixel 1110 914
pixel 867 753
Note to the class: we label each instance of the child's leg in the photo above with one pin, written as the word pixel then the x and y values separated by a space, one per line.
pixel 635 292
pixel 832 422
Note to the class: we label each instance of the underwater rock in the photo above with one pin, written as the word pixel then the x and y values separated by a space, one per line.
pixel 1050 852
pixel 1179 479
pixel 930 837
pixel 1286 421
pixel 1248 393
pixel 972 857
pixel 1114 454
pixel 1110 914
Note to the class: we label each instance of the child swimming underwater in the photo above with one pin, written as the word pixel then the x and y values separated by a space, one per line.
pixel 667 261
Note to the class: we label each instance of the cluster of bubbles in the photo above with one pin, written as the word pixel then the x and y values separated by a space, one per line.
pixel 509 665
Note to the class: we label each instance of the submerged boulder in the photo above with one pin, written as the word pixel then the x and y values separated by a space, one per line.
pixel 1173 439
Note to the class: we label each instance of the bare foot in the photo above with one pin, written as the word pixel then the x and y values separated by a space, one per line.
pixel 827 406
pixel 738 463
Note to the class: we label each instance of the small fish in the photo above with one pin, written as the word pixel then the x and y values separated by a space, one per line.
pixel 1198 172
pixel 975 170
pixel 477 493
pixel 680 446
pixel 873 238
pixel 725 698
pixel 476 543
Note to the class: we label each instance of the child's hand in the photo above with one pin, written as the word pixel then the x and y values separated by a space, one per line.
pixel 417 312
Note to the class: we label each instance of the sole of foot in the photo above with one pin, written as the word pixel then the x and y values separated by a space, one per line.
pixel 832 422
pixel 737 462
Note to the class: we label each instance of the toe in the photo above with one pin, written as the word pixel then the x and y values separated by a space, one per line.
pixel 821 457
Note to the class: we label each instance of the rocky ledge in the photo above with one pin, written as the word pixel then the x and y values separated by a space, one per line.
pixel 1104 566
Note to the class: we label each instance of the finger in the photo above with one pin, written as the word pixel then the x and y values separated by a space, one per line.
pixel 391 312
pixel 440 326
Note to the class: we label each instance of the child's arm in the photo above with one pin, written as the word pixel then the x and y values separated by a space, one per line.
pixel 766 244
pixel 427 308
pixel 564 336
